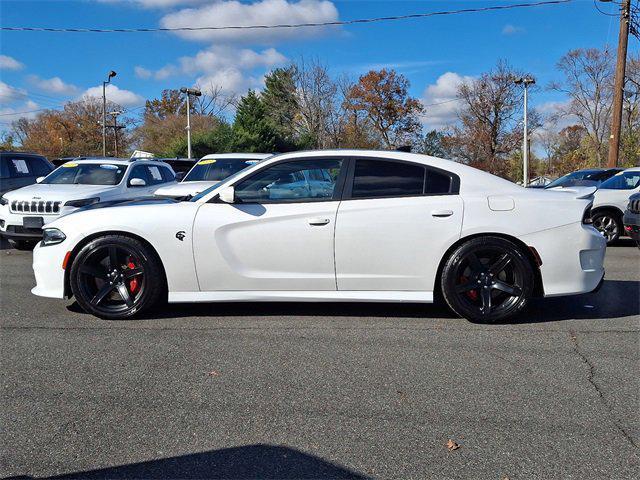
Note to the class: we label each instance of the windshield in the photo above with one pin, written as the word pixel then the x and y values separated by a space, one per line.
pixel 586 178
pixel 87 174
pixel 213 187
pixel 622 181
pixel 215 170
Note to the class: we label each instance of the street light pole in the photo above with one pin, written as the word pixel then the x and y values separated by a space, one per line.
pixel 188 92
pixel 115 131
pixel 104 112
pixel 525 81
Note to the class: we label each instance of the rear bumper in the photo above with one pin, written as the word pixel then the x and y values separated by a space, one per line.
pixel 632 225
pixel 572 259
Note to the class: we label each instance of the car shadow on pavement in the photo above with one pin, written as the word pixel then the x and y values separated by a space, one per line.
pixel 247 462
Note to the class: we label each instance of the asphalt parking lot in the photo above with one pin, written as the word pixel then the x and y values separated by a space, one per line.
pixel 322 390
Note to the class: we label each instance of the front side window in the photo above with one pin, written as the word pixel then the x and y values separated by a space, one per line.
pixel 622 181
pixel 214 170
pixel 297 181
pixel 154 175
pixel 20 167
pixel 87 174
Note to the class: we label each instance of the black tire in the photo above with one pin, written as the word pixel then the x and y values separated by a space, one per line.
pixel 609 224
pixel 487 279
pixel 23 244
pixel 116 277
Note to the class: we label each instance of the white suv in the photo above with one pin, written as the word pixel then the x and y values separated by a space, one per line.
pixel 610 201
pixel 76 184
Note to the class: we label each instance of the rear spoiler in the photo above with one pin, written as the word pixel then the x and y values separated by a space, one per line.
pixel 580 193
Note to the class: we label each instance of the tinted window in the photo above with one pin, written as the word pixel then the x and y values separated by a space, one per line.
pixel 139 171
pixel 154 175
pixel 4 167
pixel 87 174
pixel 167 174
pixel 437 182
pixel 39 167
pixel 291 182
pixel 378 178
pixel 622 181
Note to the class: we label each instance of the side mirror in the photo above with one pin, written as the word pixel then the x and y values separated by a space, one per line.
pixel 39 179
pixel 180 176
pixel 137 182
pixel 227 195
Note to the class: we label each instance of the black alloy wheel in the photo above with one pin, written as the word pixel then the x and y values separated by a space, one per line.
pixel 487 279
pixel 116 277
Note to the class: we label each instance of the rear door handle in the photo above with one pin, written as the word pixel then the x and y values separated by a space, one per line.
pixel 318 221
pixel 441 213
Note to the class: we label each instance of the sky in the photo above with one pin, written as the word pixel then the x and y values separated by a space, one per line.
pixel 43 70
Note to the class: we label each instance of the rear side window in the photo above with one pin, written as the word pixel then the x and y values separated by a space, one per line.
pixel 379 178
pixel 39 167
pixel 19 167
pixel 437 183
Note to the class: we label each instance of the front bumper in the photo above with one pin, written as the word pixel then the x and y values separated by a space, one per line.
pixel 47 268
pixel 12 225
pixel 572 258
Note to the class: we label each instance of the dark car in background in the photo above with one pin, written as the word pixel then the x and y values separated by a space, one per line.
pixel 592 177
pixel 18 169
pixel 631 218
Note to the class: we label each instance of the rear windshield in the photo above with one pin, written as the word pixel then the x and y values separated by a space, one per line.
pixel 215 170
pixel 87 174
pixel 587 178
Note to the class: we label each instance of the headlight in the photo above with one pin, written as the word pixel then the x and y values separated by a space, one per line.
pixel 52 236
pixel 3 201
pixel 82 203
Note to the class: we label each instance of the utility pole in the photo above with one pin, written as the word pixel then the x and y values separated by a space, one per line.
pixel 115 127
pixel 188 92
pixel 618 92
pixel 104 112
pixel 525 81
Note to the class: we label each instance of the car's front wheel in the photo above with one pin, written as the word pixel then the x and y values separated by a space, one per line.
pixel 487 279
pixel 608 224
pixel 116 277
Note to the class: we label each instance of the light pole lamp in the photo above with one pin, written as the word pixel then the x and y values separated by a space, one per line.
pixel 188 92
pixel 104 112
pixel 525 82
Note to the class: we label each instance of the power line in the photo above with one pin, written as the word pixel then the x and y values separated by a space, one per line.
pixel 287 25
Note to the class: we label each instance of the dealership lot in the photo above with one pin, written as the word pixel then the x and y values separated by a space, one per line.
pixel 322 391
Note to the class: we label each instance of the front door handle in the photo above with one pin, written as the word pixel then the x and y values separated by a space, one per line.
pixel 441 213
pixel 318 221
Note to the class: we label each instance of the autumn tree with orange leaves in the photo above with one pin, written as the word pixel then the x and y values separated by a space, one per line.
pixel 382 98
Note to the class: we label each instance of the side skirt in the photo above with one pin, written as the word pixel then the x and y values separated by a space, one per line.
pixel 301 296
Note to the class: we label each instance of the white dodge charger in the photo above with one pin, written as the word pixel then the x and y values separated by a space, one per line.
pixel 342 225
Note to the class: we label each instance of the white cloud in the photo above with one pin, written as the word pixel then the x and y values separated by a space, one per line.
pixel 52 85
pixel 116 95
pixel 221 66
pixel 10 63
pixel 9 94
pixel 24 110
pixel 264 12
pixel 510 29
pixel 142 72
pixel 440 100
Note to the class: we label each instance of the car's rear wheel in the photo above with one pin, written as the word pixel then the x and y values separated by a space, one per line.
pixel 116 277
pixel 608 224
pixel 487 279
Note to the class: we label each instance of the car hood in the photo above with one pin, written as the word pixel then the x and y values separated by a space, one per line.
pixel 183 189
pixel 40 191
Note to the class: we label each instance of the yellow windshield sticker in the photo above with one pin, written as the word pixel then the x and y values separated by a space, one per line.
pixel 620 173
pixel 70 165
pixel 206 162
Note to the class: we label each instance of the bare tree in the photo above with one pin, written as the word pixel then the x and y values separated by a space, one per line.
pixel 214 101
pixel 588 82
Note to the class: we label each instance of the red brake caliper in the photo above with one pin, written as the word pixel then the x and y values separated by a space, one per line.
pixel 472 294
pixel 133 283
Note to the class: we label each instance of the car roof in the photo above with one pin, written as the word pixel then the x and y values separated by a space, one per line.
pixel 248 156
pixel 113 160
pixel 632 169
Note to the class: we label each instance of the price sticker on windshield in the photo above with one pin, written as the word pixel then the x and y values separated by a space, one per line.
pixel 206 162
pixel 70 165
